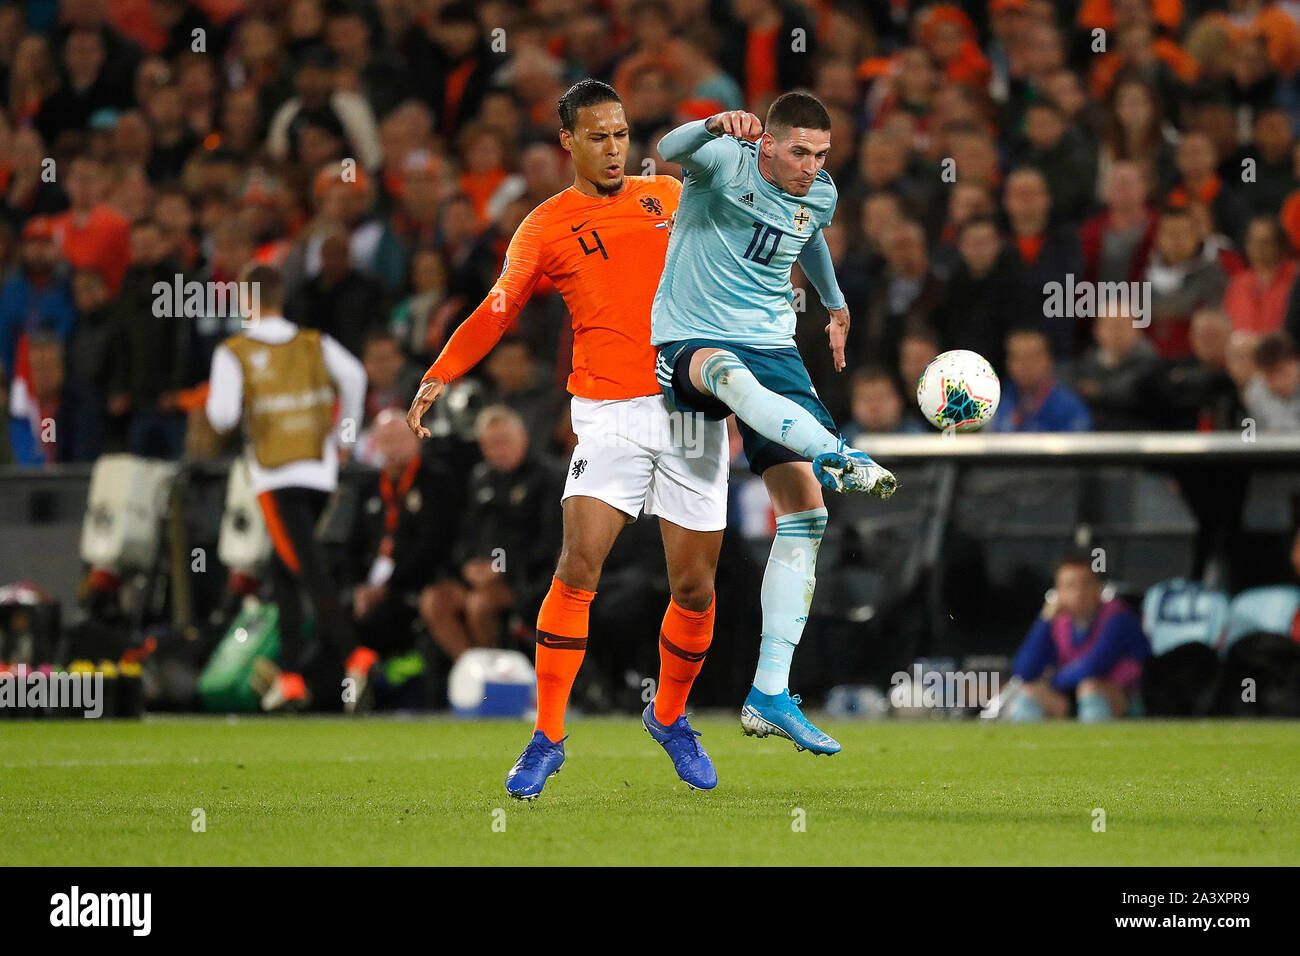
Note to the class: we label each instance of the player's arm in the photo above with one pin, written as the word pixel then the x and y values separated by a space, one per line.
pixel 1037 652
pixel 815 261
pixel 483 329
pixel 701 147
pixel 226 390
pixel 349 377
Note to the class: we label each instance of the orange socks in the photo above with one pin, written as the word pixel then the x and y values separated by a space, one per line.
pixel 561 645
pixel 684 639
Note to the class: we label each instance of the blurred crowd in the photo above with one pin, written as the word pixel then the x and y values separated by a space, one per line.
pixel 982 152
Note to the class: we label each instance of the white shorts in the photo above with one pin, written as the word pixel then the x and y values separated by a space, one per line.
pixel 637 454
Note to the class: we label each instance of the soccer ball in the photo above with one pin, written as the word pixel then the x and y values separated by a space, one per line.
pixel 959 391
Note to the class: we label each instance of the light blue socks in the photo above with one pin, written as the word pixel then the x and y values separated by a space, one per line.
pixel 1093 708
pixel 787 594
pixel 1025 709
pixel 773 416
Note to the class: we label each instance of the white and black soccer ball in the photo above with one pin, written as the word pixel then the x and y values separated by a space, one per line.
pixel 959 391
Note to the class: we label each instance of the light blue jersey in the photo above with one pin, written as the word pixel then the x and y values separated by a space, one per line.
pixel 727 271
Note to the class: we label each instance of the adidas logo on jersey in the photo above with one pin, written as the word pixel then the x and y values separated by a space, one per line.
pixel 748 199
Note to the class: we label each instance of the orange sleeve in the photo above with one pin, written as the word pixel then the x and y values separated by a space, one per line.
pixel 483 329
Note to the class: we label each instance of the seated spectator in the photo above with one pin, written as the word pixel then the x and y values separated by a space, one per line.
pixel 345 201
pixel 1112 376
pixel 1182 281
pixel 880 212
pixel 1116 243
pixel 1256 298
pixel 391 378
pixel 1095 647
pixel 509 541
pixel 885 166
pixel 317 93
pixel 89 351
pixel 408 513
pixel 1135 131
pixel 423 320
pixel 147 368
pixel 36 297
pixel 1136 48
pixel 518 382
pixel 1069 167
pixel 1196 393
pixel 1270 24
pixel 980 298
pixel 877 407
pixel 52 418
pixel 1214 244
pixel 918 349
pixel 1273 396
pixel 966 202
pixel 379 73
pixel 92 234
pixel 1199 182
pixel 28 193
pixel 1032 399
pixel 909 293
pixel 1045 253
pixel 340 300
pixel 1270 148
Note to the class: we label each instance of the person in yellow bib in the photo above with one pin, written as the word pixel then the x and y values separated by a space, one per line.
pixel 298 393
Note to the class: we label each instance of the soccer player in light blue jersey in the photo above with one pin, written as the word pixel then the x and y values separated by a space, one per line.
pixel 723 321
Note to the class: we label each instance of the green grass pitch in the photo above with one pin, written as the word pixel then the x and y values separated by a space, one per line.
pixel 429 791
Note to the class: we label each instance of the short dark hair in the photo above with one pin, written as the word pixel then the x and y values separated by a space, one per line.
pixel 269 283
pixel 868 374
pixel 458 11
pixel 919 329
pixel 1274 226
pixel 1018 330
pixel 580 95
pixel 797 110
pixel 379 334
pixel 1273 350
pixel 1078 558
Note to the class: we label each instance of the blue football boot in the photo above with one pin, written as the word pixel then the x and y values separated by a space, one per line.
pixel 679 740
pixel 851 470
pixel 541 759
pixel 779 714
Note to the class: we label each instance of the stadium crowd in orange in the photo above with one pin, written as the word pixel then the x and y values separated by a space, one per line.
pixel 982 151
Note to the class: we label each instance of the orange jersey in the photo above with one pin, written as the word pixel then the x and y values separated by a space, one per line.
pixel 605 257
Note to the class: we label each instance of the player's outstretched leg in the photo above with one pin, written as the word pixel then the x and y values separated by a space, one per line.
pixel 561 646
pixel 777 418
pixel 684 639
pixel 788 584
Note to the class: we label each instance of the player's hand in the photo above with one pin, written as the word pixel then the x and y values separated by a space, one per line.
pixel 735 123
pixel 838 330
pixel 1051 605
pixel 423 401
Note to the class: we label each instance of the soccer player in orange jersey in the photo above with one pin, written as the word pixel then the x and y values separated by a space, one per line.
pixel 602 243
